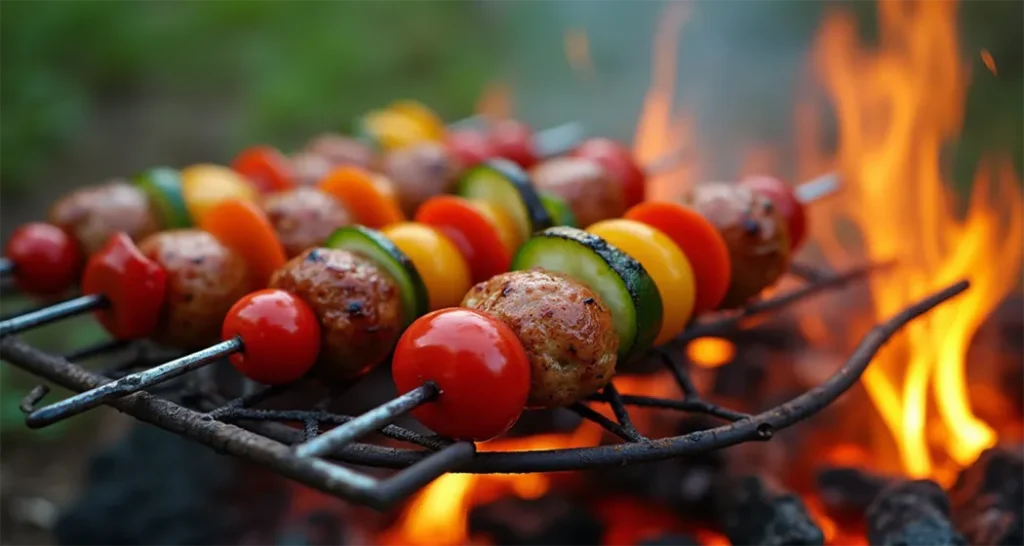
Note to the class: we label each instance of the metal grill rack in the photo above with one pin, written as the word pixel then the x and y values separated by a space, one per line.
pixel 235 427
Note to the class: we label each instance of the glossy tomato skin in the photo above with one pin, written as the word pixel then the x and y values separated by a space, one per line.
pixel 468 148
pixel 280 336
pixel 47 260
pixel 266 167
pixel 618 162
pixel 782 196
pixel 478 363
pixel 513 140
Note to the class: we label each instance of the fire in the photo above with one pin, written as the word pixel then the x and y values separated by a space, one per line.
pixel 897 106
pixel 710 352
pixel 661 139
pixel 577 52
pixel 990 63
pixel 495 103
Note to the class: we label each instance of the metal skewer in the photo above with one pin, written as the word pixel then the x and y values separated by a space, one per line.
pixel 817 188
pixel 6 267
pixel 559 139
pixel 52 313
pixel 130 384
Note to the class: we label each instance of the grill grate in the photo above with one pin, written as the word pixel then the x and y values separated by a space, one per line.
pixel 259 435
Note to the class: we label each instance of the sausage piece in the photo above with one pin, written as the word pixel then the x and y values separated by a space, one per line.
pixel 204 279
pixel 754 231
pixel 356 302
pixel 327 152
pixel 420 172
pixel 304 217
pixel 583 184
pixel 565 328
pixel 91 215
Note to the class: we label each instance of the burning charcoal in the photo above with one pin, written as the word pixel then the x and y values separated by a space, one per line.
pixel 911 513
pixel 849 490
pixel 754 510
pixel 988 498
pixel 552 519
pixel 670 540
pixel 682 483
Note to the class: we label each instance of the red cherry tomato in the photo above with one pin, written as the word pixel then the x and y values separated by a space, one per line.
pixel 468 148
pixel 618 161
pixel 46 259
pixel 513 140
pixel 133 284
pixel 782 196
pixel 280 336
pixel 479 364
pixel 267 168
pixel 702 243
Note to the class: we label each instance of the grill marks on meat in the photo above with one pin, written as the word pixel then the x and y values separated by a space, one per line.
pixel 304 217
pixel 91 215
pixel 204 279
pixel 420 172
pixel 356 302
pixel 564 327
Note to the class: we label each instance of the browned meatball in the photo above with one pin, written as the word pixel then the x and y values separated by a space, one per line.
pixel 91 215
pixel 420 172
pixel 342 150
pixel 591 194
pixel 204 279
pixel 356 302
pixel 309 168
pixel 565 328
pixel 753 229
pixel 304 217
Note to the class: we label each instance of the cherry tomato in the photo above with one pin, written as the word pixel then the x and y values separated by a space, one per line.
pixel 46 259
pixel 664 262
pixel 267 168
pixel 280 336
pixel 617 161
pixel 513 140
pixel 468 148
pixel 699 240
pixel 134 285
pixel 479 364
pixel 477 238
pixel 437 259
pixel 781 195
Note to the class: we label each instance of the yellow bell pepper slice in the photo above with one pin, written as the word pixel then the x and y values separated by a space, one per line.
pixel 204 186
pixel 440 264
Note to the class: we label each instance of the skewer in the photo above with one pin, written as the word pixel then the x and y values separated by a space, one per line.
pixel 6 267
pixel 52 313
pixel 131 384
pixel 817 188
pixel 559 139
pixel 368 422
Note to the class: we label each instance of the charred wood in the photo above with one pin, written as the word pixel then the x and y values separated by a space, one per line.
pixel 551 519
pixel 849 490
pixel 988 498
pixel 754 510
pixel 910 513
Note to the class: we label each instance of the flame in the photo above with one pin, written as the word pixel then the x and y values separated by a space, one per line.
pixel 495 103
pixel 577 53
pixel 990 63
pixel 710 352
pixel 897 106
pixel 661 139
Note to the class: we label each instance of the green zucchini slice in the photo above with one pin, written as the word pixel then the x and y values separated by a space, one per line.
pixel 506 185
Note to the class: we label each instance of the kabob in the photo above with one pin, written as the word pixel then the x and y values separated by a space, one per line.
pixel 46 259
pixel 623 302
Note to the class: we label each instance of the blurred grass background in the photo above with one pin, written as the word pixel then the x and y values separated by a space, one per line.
pixel 95 89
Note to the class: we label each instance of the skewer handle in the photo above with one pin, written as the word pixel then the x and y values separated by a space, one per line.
pixel 817 188
pixel 130 384
pixel 368 422
pixel 46 315
pixel 559 140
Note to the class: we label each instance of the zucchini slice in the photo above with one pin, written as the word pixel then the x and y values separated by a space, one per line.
pixel 561 214
pixel 374 245
pixel 162 186
pixel 507 185
pixel 623 284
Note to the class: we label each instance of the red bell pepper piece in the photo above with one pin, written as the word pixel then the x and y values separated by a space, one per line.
pixel 133 285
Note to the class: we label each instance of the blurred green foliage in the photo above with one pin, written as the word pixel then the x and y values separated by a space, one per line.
pixel 282 68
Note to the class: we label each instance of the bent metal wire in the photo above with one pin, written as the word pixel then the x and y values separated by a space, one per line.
pixel 307 456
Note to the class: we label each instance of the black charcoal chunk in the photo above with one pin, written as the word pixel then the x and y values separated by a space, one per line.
pixel 551 519
pixel 912 513
pixel 670 540
pixel 754 510
pixel 988 498
pixel 849 490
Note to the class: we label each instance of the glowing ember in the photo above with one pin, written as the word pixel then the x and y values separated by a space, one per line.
pixel 710 352
pixel 577 52
pixel 898 106
pixel 990 63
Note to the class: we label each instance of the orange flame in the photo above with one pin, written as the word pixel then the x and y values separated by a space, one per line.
pixel 990 63
pixel 710 352
pixel 658 134
pixel 495 103
pixel 897 107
